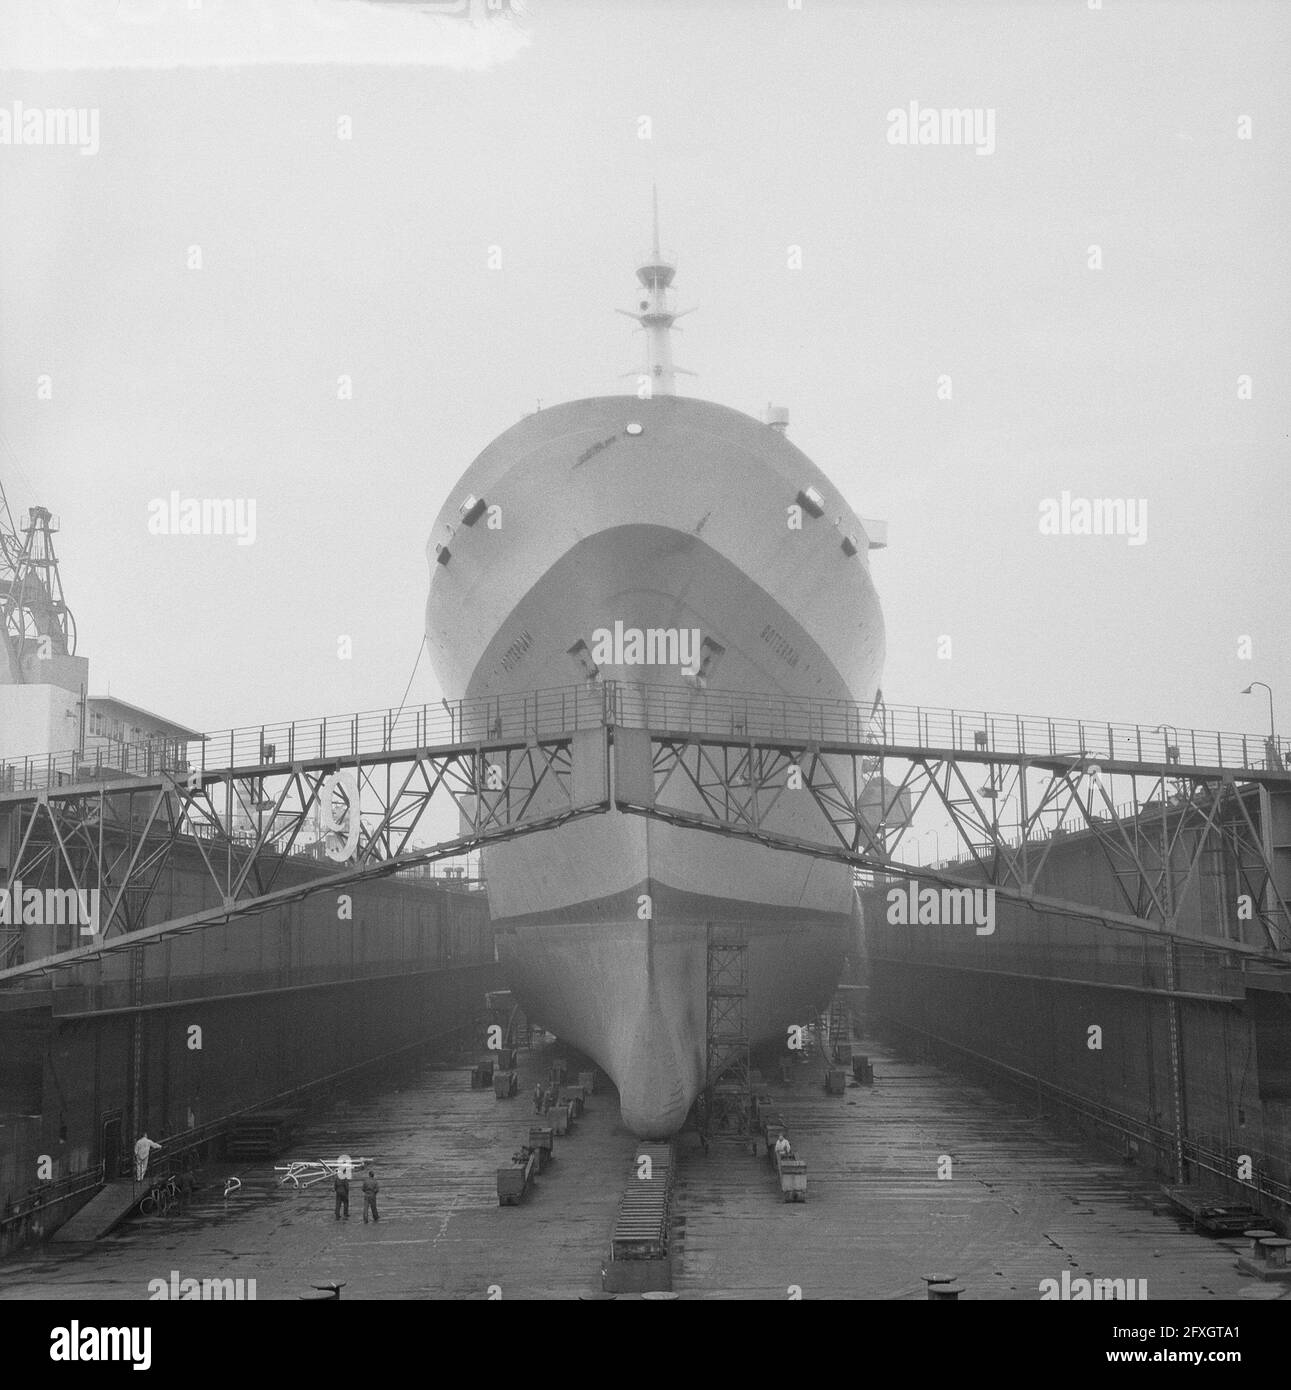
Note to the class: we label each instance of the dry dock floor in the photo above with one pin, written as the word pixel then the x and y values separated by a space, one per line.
pixel 436 1146
pixel 1021 1205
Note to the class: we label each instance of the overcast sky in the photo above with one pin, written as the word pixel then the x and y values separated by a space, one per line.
pixel 368 257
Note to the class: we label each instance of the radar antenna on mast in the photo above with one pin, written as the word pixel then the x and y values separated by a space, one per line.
pixel 656 316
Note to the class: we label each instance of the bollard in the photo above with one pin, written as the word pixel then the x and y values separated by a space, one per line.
pixel 1257 1237
pixel 1267 1258
pixel 1275 1251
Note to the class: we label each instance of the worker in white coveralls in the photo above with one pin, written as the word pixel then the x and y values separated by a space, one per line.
pixel 782 1148
pixel 142 1150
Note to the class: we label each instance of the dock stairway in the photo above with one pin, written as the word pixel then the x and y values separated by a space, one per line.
pixel 259 1136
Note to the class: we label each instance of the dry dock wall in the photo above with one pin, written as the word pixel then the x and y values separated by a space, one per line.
pixel 1020 1005
pixel 184 1034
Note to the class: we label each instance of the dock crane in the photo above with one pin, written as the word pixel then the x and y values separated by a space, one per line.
pixel 35 620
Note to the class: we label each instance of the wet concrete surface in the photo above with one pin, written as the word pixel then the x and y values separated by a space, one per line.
pixel 436 1145
pixel 1022 1204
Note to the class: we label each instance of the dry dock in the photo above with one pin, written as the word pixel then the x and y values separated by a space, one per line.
pixel 1022 1205
pixel 436 1144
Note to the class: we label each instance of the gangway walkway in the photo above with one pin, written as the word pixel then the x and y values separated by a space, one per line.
pixel 109 1206
pixel 672 709
pixel 352 797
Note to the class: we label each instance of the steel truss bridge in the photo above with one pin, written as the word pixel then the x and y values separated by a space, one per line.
pixel 364 796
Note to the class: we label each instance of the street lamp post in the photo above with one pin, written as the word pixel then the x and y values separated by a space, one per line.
pixel 1250 690
pixel 1273 732
pixel 1171 749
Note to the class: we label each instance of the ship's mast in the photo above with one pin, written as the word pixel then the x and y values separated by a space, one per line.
pixel 656 316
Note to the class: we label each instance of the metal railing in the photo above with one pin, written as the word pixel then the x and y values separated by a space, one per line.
pixel 565 709
pixel 679 709
pixel 685 710
pixel 108 762
pixel 50 1193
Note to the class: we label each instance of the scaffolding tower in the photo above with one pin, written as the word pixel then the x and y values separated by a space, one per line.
pixel 728 1095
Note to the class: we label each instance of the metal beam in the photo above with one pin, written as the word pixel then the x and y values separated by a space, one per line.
pixel 241 828
pixel 249 907
pixel 830 780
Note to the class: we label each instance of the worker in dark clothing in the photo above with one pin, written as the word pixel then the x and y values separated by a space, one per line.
pixel 537 1098
pixel 341 1186
pixel 370 1190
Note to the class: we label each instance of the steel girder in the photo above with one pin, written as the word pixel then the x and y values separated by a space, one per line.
pixel 1153 823
pixel 247 822
pixel 244 825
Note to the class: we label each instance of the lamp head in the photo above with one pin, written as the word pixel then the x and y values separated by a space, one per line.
pixel 1250 690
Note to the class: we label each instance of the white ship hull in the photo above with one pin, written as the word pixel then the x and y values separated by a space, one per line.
pixel 683 526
